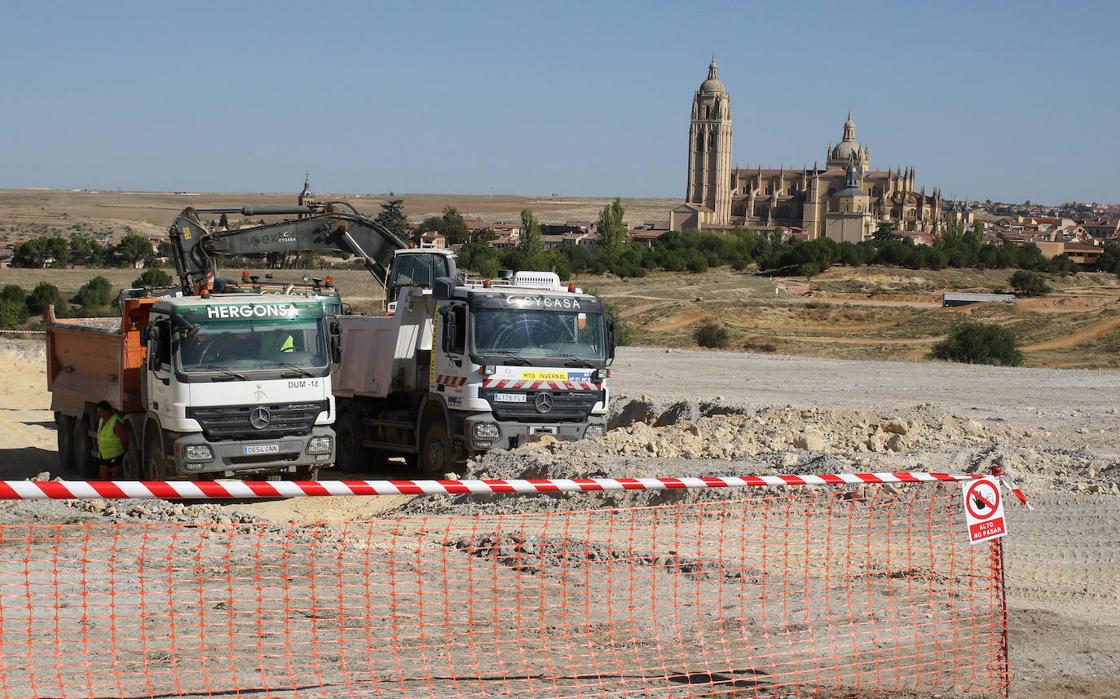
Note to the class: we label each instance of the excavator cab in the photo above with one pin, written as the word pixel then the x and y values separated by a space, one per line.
pixel 418 267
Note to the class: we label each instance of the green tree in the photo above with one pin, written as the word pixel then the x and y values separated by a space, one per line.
pixel 13 306
pixel 530 244
pixel 1027 283
pixel 451 225
pixel 979 343
pixel 392 217
pixel 43 295
pixel 96 293
pixel 133 249
pixel 487 267
pixel 611 230
pixel 454 227
pixel 14 292
pixel 152 278
pixel 86 251
pixel 12 314
pixel 41 252
pixel 885 231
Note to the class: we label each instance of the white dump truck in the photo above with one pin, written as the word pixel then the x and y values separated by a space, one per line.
pixel 459 368
pixel 209 387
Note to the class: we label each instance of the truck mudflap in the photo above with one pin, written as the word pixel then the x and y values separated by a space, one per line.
pixel 483 432
pixel 194 455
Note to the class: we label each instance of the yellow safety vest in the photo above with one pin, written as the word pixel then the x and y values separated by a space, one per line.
pixel 289 344
pixel 109 445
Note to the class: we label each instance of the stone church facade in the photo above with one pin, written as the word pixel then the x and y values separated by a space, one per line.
pixel 845 200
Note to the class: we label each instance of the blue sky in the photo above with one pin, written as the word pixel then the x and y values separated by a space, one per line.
pixel 1013 101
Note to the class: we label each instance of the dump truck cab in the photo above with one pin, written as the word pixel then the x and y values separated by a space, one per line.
pixel 461 367
pixel 520 360
pixel 239 382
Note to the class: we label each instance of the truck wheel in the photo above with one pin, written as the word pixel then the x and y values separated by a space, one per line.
pixel 131 468
pixel 437 453
pixel 64 426
pixel 154 458
pixel 84 461
pixel 348 449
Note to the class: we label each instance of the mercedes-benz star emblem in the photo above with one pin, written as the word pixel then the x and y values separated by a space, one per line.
pixel 543 402
pixel 259 418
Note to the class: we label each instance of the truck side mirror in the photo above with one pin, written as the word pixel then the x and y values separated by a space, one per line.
pixel 335 332
pixel 447 318
pixel 610 337
pixel 443 288
pixel 151 338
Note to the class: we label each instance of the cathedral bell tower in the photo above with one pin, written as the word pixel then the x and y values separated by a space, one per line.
pixel 709 150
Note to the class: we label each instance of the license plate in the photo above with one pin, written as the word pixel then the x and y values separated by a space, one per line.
pixel 510 397
pixel 258 449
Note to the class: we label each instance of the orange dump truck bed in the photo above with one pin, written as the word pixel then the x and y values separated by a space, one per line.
pixel 95 359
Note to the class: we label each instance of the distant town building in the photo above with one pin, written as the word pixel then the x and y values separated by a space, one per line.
pixel 817 201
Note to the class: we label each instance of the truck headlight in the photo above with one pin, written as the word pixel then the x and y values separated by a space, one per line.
pixel 593 432
pixel 486 431
pixel 197 452
pixel 320 445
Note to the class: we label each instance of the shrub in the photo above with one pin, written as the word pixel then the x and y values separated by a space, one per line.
pixel 14 299
pixel 152 278
pixel 12 313
pixel 1029 283
pixel 95 293
pixel 43 295
pixel 979 343
pixel 712 334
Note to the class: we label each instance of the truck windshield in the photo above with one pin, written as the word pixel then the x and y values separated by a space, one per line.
pixel 543 337
pixel 249 346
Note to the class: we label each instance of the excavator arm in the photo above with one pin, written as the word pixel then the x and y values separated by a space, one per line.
pixel 321 227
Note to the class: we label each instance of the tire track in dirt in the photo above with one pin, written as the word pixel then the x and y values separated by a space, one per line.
pixel 677 322
pixel 1087 334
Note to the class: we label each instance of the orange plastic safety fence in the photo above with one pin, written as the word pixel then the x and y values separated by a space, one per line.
pixel 799 592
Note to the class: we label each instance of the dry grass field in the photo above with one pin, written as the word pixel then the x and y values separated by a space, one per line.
pixel 149 213
pixel 865 313
pixel 868 313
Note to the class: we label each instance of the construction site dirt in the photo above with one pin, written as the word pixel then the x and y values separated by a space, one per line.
pixel 683 413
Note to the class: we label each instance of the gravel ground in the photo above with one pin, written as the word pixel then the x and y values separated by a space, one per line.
pixel 707 413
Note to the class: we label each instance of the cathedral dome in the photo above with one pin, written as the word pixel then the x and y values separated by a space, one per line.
pixel 847 149
pixel 713 83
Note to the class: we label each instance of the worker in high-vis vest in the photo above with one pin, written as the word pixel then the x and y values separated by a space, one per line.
pixel 112 441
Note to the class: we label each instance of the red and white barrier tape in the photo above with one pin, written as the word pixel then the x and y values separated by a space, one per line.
pixel 226 490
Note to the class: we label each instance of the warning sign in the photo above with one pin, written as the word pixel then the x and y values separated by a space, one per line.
pixel 983 510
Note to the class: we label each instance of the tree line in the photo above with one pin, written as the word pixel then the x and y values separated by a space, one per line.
pixel 56 251
pixel 94 298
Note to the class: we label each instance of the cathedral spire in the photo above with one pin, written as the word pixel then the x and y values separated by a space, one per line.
pixel 849 128
pixel 713 68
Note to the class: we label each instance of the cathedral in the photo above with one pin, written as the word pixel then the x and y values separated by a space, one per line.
pixel 846 200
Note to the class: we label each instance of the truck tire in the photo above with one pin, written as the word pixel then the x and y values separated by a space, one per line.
pixel 85 462
pixel 437 453
pixel 348 446
pixel 64 426
pixel 132 468
pixel 155 460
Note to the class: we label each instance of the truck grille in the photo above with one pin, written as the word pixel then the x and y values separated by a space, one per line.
pixel 567 406
pixel 233 421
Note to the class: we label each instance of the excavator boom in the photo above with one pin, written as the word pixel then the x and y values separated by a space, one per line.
pixel 321 227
